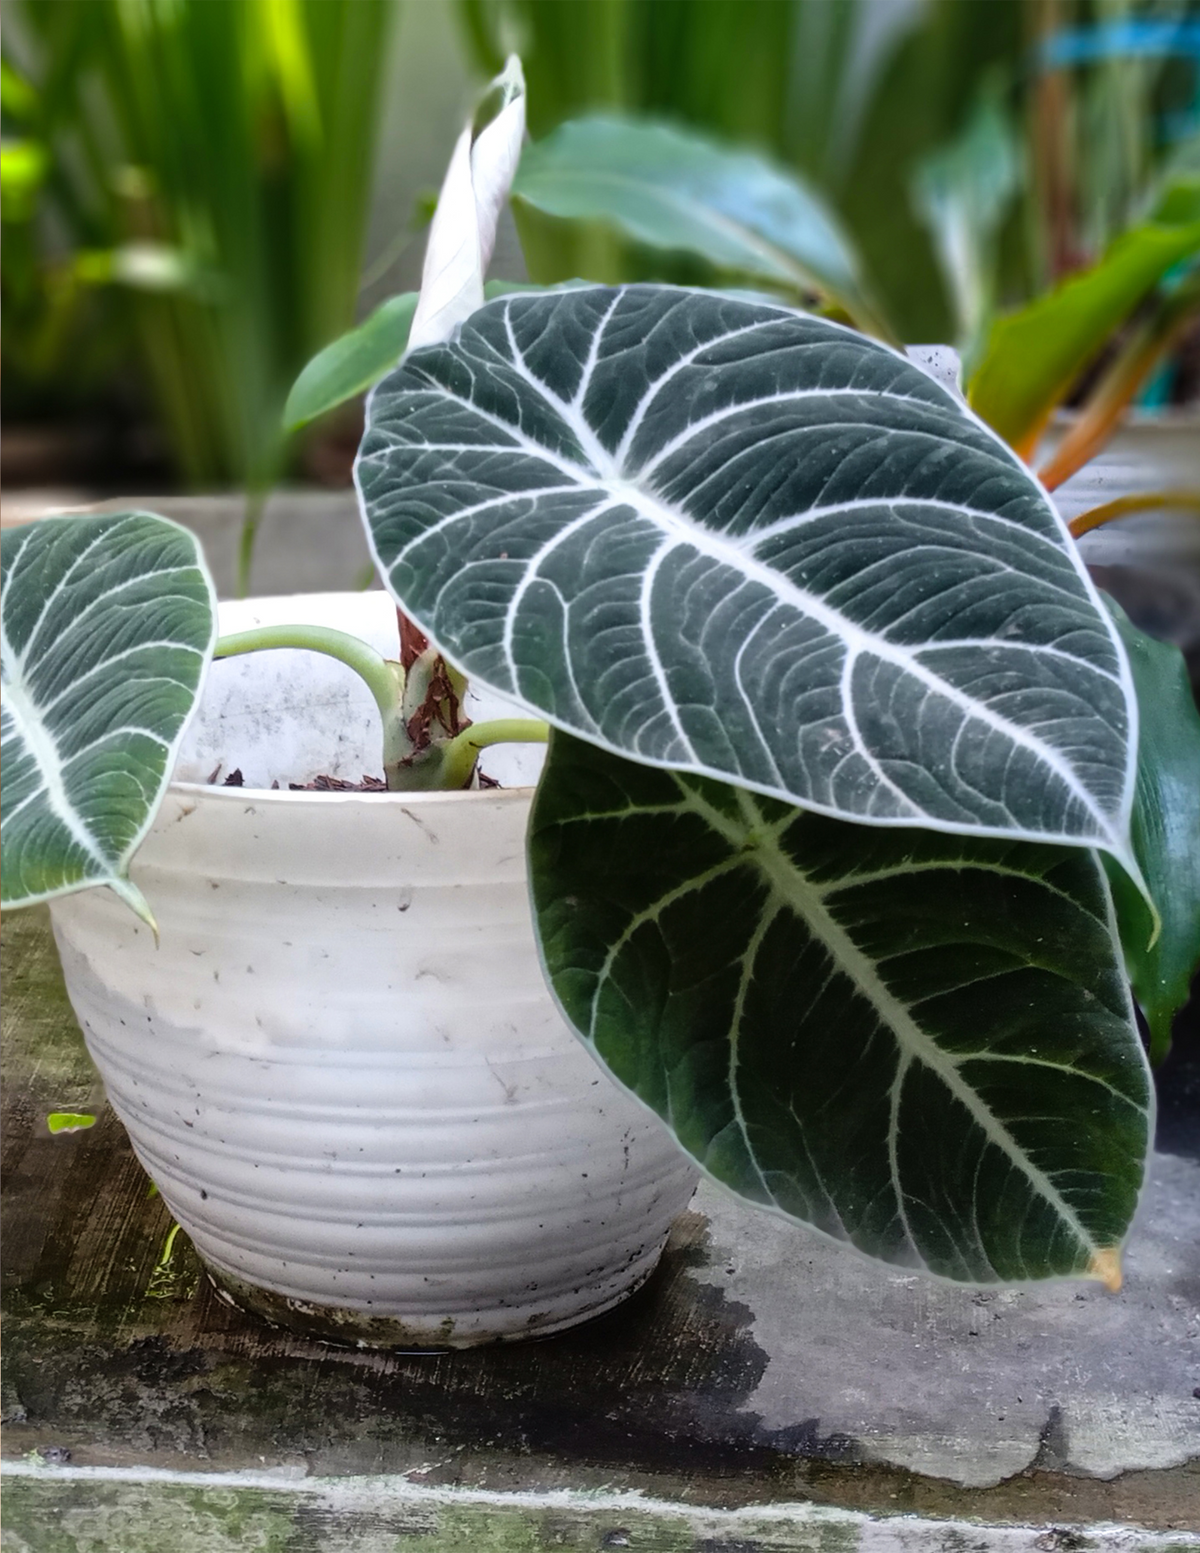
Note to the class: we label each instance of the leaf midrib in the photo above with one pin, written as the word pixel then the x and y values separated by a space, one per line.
pixel 858 640
pixel 31 728
pixel 792 890
pixel 678 526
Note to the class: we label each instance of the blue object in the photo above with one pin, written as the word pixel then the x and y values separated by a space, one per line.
pixel 1132 39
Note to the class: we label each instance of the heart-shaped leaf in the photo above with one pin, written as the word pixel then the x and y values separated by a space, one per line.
pixel 108 626
pixel 728 538
pixel 917 1043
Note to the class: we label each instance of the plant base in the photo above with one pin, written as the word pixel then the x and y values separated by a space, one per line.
pixel 343 1327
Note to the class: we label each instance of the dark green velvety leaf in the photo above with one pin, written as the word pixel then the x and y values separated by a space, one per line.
pixel 108 627
pixel 1166 835
pixel 919 1044
pixel 726 537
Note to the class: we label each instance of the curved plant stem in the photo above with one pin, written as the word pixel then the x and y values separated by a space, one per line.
pixel 372 666
pixel 384 679
pixel 443 765
pixel 462 752
pixel 505 730
pixel 1149 501
pixel 448 765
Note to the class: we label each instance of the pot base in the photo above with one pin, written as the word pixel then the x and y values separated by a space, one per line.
pixel 340 1326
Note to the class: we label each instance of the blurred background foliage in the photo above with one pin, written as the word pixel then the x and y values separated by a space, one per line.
pixel 850 94
pixel 186 192
pixel 1084 97
pixel 190 186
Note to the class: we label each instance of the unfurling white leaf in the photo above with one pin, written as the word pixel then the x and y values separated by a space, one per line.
pixel 463 232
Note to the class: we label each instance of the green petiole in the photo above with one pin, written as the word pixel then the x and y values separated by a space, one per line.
pixel 384 679
pixel 446 764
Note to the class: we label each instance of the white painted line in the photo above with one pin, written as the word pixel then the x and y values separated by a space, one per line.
pixel 883 1534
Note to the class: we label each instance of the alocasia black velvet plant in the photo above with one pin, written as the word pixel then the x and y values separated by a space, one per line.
pixel 844 746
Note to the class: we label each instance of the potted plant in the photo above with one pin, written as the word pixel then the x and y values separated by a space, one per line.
pixel 844 750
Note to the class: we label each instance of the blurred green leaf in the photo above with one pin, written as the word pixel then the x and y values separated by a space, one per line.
pixel 1179 202
pixel 963 192
pixel 852 93
pixel 1033 356
pixel 17 96
pixel 680 191
pixel 1165 833
pixel 287 56
pixel 352 363
pixel 1155 330
pixel 239 136
pixel 23 167
pixel 69 1121
pixel 361 356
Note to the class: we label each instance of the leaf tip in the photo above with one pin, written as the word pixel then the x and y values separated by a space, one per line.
pixel 1127 858
pixel 136 901
pixel 1105 1267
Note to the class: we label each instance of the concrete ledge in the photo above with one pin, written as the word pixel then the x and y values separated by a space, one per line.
pixel 309 541
pixel 764 1385
pixel 86 1510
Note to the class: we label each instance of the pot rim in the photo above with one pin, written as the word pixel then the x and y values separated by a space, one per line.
pixel 376 799
pixel 192 790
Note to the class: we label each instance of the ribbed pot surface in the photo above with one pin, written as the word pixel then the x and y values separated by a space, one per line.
pixel 343 1070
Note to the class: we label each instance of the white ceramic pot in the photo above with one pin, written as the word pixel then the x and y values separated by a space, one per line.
pixel 340 1064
